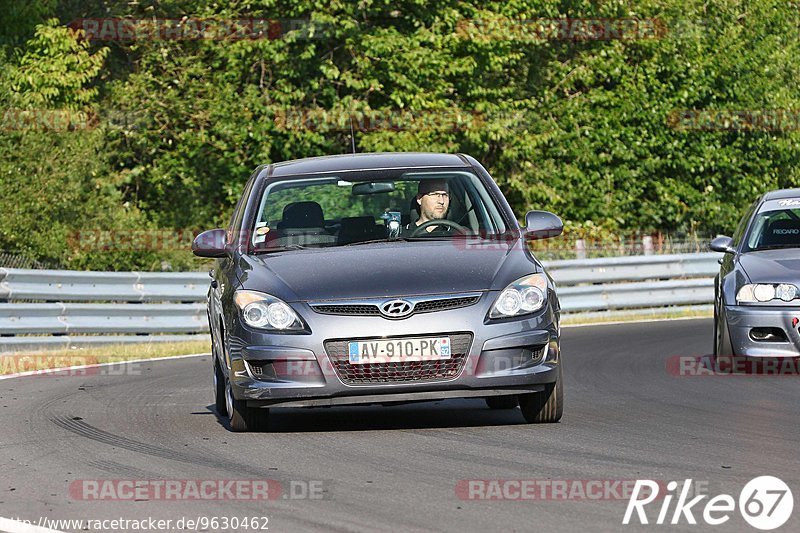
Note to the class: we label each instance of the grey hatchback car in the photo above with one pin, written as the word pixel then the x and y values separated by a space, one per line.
pixel 380 279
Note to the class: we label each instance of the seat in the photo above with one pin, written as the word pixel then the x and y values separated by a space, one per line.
pixel 781 232
pixel 356 229
pixel 303 223
pixel 413 213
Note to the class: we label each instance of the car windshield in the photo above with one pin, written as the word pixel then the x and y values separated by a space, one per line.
pixel 343 210
pixel 775 228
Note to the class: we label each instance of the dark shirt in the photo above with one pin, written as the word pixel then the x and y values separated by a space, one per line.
pixel 408 229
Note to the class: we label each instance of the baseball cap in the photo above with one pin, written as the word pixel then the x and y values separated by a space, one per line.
pixel 427 186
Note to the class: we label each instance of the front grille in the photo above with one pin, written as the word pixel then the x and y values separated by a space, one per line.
pixel 424 306
pixel 441 305
pixel 414 371
pixel 347 309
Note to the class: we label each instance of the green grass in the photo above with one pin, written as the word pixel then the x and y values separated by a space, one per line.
pixel 635 317
pixel 42 360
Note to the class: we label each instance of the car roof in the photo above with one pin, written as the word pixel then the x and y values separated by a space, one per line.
pixel 365 161
pixel 782 193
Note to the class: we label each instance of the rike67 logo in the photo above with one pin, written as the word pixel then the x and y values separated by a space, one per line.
pixel 765 502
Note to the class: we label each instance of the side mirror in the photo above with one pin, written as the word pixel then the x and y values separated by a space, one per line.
pixel 722 244
pixel 542 225
pixel 210 243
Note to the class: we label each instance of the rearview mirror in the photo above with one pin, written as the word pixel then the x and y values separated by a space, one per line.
pixel 722 244
pixel 542 225
pixel 381 187
pixel 210 243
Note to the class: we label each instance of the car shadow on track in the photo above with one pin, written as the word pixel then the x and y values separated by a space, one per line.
pixel 425 415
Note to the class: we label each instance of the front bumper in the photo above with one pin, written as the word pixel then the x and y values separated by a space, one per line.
pixel 743 320
pixel 508 357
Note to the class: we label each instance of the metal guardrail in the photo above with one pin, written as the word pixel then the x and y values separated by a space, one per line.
pixel 131 313
pixel 633 268
pixel 642 282
pixel 72 286
pixel 126 307
pixel 145 319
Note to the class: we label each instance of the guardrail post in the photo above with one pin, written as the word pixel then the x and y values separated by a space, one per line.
pixel 4 292
pixel 580 249
pixel 647 245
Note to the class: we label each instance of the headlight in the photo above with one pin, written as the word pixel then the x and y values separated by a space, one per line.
pixel 524 296
pixel 263 311
pixel 765 292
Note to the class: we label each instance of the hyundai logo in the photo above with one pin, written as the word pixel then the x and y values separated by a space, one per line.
pixel 396 308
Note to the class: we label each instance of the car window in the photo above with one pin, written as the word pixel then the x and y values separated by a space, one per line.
pixel 739 233
pixel 238 211
pixel 777 228
pixel 341 210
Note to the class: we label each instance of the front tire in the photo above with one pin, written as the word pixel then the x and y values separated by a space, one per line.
pixel 219 390
pixel 547 406
pixel 716 333
pixel 725 360
pixel 242 418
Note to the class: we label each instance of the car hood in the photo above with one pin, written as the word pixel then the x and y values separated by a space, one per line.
pixel 772 266
pixel 384 270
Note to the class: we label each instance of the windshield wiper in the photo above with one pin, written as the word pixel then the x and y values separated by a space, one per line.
pixel 356 243
pixel 386 239
pixel 280 249
pixel 404 239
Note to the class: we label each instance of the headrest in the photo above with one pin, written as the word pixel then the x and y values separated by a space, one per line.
pixel 303 215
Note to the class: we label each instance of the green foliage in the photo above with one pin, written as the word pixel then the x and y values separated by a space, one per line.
pixel 584 128
pixel 18 19
pixel 55 70
pixel 56 185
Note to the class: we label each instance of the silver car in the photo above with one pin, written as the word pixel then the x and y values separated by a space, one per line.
pixel 757 303
pixel 380 279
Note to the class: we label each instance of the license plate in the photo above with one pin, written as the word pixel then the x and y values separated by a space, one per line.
pixel 399 350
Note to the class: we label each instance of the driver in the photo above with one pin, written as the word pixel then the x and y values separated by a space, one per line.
pixel 433 198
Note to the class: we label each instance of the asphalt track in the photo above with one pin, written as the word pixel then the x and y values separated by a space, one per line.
pixel 397 468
